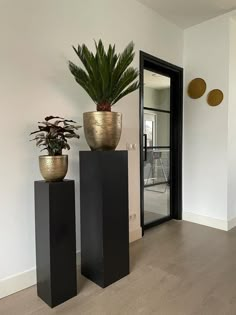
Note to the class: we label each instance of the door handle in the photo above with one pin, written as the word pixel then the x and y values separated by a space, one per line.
pixel 145 147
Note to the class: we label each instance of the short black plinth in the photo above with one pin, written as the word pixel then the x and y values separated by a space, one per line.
pixel 104 216
pixel 55 241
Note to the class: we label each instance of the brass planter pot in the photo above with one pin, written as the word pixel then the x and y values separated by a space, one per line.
pixel 102 130
pixel 53 168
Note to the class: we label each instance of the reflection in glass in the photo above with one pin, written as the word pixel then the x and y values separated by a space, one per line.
pixel 156 127
pixel 163 129
pixel 156 185
pixel 148 129
pixel 156 91
pixel 156 166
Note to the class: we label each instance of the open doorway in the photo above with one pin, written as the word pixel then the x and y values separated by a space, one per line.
pixel 161 98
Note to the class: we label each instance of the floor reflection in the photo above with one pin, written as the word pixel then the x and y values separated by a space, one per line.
pixel 156 202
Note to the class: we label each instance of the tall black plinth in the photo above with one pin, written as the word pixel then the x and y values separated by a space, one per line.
pixel 104 216
pixel 55 241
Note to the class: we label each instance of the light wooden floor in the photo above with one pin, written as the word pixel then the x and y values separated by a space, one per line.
pixel 177 268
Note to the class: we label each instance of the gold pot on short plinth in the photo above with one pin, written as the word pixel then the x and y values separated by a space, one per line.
pixel 53 168
pixel 102 130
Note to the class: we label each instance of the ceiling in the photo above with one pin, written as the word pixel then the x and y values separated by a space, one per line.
pixel 186 13
pixel 156 81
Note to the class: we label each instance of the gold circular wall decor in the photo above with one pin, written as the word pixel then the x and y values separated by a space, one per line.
pixel 197 88
pixel 215 97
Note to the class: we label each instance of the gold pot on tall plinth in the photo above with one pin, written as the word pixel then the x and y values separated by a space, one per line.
pixel 53 168
pixel 102 130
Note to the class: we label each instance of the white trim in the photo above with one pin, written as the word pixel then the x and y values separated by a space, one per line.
pixel 21 281
pixel 27 278
pixel 17 282
pixel 205 220
pixel 231 223
pixel 135 235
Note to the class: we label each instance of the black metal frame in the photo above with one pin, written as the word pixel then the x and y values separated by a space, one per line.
pixel 157 110
pixel 175 73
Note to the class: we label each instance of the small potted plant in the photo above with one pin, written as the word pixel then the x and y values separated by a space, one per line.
pixel 52 135
pixel 107 77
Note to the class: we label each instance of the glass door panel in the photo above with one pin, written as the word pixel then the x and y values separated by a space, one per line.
pixel 156 185
pixel 156 130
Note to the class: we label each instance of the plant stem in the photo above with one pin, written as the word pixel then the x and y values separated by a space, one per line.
pixel 104 107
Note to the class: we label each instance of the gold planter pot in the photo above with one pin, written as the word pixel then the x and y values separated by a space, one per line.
pixel 102 130
pixel 53 168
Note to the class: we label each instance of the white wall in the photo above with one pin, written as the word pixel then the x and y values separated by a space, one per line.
pixel 232 125
pixel 36 39
pixel 206 55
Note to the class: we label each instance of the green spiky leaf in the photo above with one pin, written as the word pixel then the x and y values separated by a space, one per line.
pixel 105 76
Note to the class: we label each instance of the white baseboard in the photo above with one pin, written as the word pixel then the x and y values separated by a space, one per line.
pixel 205 220
pixel 21 281
pixel 27 278
pixel 135 235
pixel 17 282
pixel 231 224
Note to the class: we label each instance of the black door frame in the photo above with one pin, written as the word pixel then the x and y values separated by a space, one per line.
pixel 160 66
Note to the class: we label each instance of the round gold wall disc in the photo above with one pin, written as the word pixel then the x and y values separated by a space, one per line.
pixel 215 97
pixel 197 88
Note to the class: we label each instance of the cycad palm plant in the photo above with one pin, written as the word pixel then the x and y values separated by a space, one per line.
pixel 107 76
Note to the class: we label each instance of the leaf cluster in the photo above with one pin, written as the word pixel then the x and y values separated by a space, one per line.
pixel 53 134
pixel 106 76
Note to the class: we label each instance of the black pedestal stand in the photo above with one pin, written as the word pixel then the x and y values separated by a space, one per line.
pixel 55 241
pixel 104 216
